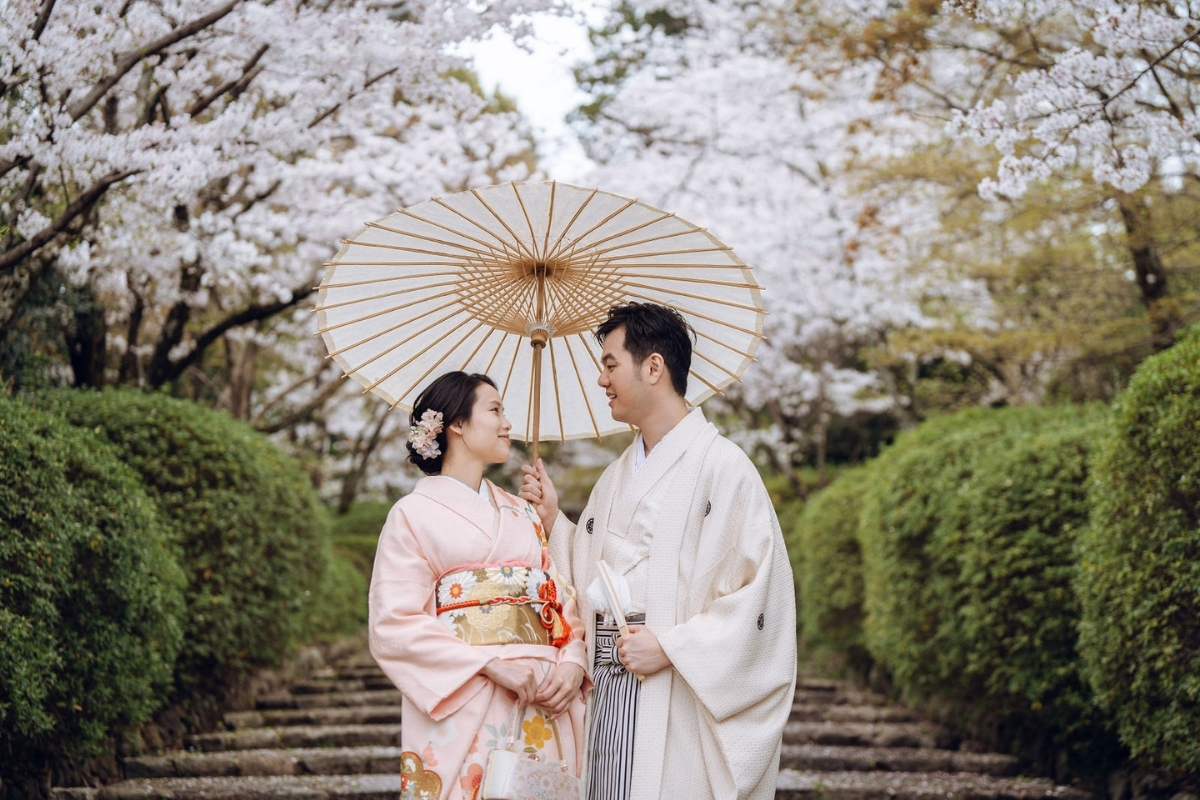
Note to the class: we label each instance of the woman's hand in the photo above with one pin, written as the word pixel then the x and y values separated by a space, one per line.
pixel 519 679
pixel 538 489
pixel 559 688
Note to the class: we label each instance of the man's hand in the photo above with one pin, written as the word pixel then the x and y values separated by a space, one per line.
pixel 640 651
pixel 559 688
pixel 519 679
pixel 537 488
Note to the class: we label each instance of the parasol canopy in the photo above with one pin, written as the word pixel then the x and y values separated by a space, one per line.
pixel 501 280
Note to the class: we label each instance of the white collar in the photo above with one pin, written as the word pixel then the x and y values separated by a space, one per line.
pixel 640 454
pixel 482 491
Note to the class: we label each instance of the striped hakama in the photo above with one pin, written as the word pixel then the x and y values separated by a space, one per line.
pixel 614 705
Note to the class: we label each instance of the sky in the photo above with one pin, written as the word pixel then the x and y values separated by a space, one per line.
pixel 538 76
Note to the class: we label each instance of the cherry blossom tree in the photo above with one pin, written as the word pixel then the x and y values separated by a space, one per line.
pixel 700 111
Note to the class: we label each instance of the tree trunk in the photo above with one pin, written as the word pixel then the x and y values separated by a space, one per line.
pixel 1149 272
pixel 87 342
pixel 241 361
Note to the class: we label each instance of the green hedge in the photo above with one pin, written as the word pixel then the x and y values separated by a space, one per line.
pixel 341 607
pixel 829 572
pixel 356 533
pixel 1139 578
pixel 969 536
pixel 90 593
pixel 251 529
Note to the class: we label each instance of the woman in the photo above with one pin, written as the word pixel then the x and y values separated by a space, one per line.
pixel 466 617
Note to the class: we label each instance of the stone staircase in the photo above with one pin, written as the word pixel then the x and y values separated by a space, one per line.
pixel 338 734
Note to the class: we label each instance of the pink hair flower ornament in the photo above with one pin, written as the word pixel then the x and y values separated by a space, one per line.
pixel 423 435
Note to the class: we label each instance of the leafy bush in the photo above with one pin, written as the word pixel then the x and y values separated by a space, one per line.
pixel 829 571
pixel 1139 576
pixel 969 536
pixel 341 607
pixel 250 526
pixel 356 533
pixel 90 593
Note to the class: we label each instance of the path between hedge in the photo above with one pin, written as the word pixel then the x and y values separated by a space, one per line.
pixel 337 735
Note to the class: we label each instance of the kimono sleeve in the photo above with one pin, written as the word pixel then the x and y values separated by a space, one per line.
pixel 744 636
pixel 432 667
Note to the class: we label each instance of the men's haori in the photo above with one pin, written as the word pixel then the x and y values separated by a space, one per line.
pixel 716 585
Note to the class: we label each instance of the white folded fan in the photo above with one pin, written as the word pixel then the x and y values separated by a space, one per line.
pixel 614 601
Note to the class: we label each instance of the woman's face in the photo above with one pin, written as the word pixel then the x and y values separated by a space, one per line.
pixel 485 434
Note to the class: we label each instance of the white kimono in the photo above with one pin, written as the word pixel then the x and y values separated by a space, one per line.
pixel 719 595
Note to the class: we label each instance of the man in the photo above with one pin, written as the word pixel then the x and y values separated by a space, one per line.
pixel 686 527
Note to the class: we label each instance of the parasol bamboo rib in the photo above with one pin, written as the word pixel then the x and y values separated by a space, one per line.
pixel 705 281
pixel 499 347
pixel 432 367
pixel 348 284
pixel 549 217
pixel 557 393
pixel 406 249
pixel 393 293
pixel 571 222
pixel 515 239
pixel 726 345
pixel 570 248
pixel 381 312
pixel 726 303
pixel 406 340
pixel 453 263
pixel 504 243
pixel 698 315
pixel 596 244
pixel 700 378
pixel 513 363
pixel 688 251
pixel 447 228
pixel 434 239
pixel 721 367
pixel 529 222
pixel 587 403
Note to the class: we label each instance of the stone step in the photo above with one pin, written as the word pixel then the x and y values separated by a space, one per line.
pixel 863 734
pixel 810 785
pixel 308 787
pixel 360 673
pixel 246 763
pixel 389 697
pixel 844 696
pixel 327 686
pixel 350 715
pixel 822 758
pixel 791 785
pixel 297 736
pixel 809 712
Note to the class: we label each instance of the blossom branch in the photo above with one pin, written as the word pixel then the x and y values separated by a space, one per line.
pixel 131 59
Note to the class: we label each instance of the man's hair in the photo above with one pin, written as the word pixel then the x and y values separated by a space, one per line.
pixel 651 328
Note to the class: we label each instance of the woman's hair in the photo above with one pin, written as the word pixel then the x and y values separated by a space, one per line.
pixel 453 395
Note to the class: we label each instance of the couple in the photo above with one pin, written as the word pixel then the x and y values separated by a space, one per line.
pixel 475 616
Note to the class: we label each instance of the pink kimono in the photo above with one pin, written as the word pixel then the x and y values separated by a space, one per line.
pixel 459 582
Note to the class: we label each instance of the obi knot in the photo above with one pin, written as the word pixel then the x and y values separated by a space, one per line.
pixel 551 614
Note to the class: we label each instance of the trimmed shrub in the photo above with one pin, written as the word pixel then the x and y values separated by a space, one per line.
pixel 341 607
pixel 252 530
pixel 1139 574
pixel 356 533
pixel 829 572
pixel 90 594
pixel 969 536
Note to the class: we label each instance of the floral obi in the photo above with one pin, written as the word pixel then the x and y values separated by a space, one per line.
pixel 502 604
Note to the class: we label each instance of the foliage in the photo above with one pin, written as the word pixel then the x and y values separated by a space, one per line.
pixel 356 533
pixel 1139 575
pixel 337 608
pixel 250 526
pixel 90 595
pixel 968 536
pixel 829 577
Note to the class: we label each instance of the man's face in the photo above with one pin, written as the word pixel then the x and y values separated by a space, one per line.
pixel 622 380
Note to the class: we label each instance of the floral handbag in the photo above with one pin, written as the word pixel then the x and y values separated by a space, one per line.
pixel 510 775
